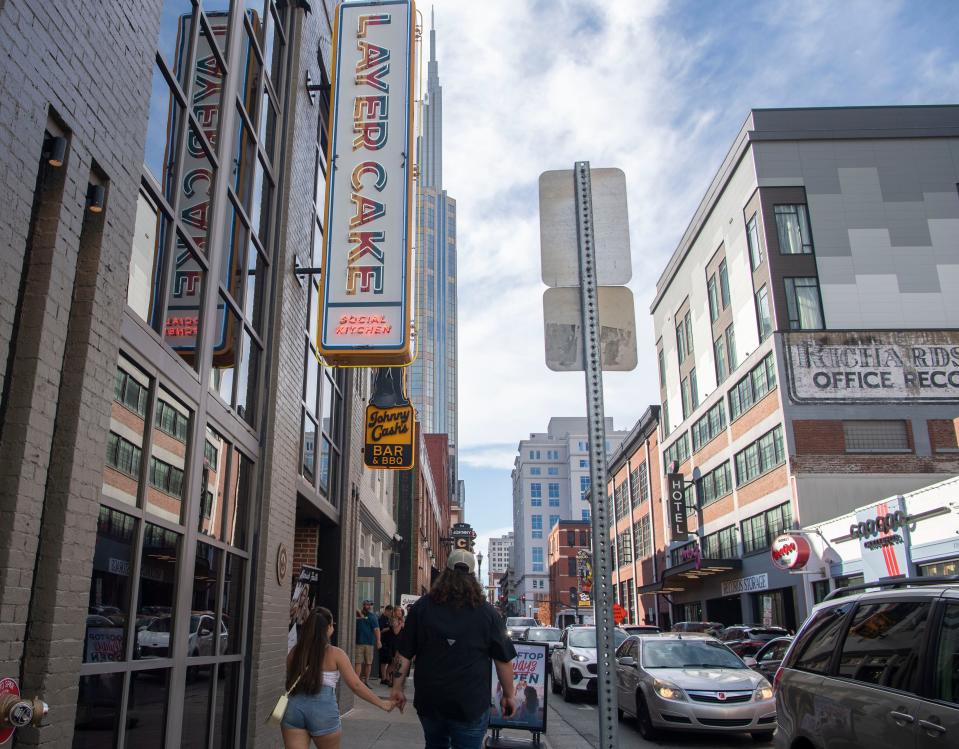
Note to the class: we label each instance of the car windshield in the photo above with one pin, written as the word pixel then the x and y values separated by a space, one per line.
pixel 688 654
pixel 543 635
pixel 586 638
pixel 765 635
pixel 520 621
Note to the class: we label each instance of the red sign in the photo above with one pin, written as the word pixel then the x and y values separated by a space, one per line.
pixel 619 613
pixel 790 552
pixel 8 686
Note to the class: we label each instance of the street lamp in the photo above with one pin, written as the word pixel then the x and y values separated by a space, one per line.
pixel 479 571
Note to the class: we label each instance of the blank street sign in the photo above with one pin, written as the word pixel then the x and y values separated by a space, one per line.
pixel 562 312
pixel 557 228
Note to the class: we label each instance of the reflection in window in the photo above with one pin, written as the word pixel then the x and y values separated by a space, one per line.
pixel 232 601
pixel 225 351
pixel 146 708
pixel 224 710
pixel 196 707
pixel 98 698
pixel 882 644
pixel 214 483
pixel 309 447
pixel 946 674
pixel 168 461
pixel 158 566
pixel 176 25
pixel 246 387
pixel 792 227
pixel 802 304
pixel 162 133
pixel 238 500
pixel 763 316
pixel 206 575
pixel 121 480
pixel 149 236
pixel 181 327
pixel 109 607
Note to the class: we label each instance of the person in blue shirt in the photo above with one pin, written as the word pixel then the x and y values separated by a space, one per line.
pixel 367 636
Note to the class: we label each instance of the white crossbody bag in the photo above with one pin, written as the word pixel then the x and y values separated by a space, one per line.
pixel 280 710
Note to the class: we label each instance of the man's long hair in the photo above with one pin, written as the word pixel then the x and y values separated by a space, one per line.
pixel 306 662
pixel 458 589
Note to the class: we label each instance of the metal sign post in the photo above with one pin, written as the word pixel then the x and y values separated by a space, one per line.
pixel 602 569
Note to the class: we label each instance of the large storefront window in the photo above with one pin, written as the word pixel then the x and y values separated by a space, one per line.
pixel 147 551
pixel 937 569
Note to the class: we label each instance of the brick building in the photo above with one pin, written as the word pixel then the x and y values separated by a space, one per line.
pixel 423 503
pixel 639 535
pixel 565 540
pixel 806 340
pixel 171 448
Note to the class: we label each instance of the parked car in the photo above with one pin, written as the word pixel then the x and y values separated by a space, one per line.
pixel 516 625
pixel 154 640
pixel 874 665
pixel 710 628
pixel 550 635
pixel 769 657
pixel 640 629
pixel 573 662
pixel 673 681
pixel 746 640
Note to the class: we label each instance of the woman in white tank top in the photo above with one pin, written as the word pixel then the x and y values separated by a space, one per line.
pixel 314 667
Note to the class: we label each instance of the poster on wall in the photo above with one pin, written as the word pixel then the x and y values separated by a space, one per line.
pixel 529 680
pixel 303 601
pixel 406 601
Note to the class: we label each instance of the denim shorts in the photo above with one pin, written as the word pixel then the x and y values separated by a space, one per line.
pixel 316 713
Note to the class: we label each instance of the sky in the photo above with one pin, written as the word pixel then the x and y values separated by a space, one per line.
pixel 659 90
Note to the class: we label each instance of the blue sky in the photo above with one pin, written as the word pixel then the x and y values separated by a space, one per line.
pixel 658 89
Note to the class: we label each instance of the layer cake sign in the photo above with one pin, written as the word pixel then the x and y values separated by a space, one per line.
pixel 875 366
pixel 365 304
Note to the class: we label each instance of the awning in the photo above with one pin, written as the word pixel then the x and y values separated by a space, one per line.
pixel 685 576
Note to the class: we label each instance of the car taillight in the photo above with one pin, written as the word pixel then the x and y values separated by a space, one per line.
pixel 778 677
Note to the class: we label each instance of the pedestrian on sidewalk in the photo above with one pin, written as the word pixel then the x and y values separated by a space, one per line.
pixel 390 638
pixel 386 618
pixel 313 668
pixel 455 636
pixel 367 636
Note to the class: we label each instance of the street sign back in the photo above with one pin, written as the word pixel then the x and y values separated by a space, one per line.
pixel 558 223
pixel 562 311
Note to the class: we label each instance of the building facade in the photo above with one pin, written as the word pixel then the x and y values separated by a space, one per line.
pixel 423 513
pixel 550 482
pixel 498 554
pixel 173 451
pixel 805 337
pixel 640 533
pixel 566 540
pixel 433 379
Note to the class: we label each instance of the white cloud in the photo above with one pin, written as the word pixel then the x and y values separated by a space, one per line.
pixel 657 89
pixel 489 456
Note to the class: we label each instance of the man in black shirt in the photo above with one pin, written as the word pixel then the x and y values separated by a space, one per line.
pixel 454 634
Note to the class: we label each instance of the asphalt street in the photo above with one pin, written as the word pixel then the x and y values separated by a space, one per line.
pixel 576 724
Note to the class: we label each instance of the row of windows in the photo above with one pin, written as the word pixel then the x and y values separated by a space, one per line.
pixel 550 455
pixel 678 452
pixel 538 471
pixel 760 530
pixel 721 544
pixel 689 390
pixel 716 484
pixel 130 393
pixel 759 381
pixel 537 552
pixel 621 500
pixel 170 420
pixel 639 484
pixel 709 427
pixel 684 337
pixel 724 354
pixel 624 548
pixel 123 455
pixel 168 479
pixel 761 456
pixel 643 537
pixel 718 298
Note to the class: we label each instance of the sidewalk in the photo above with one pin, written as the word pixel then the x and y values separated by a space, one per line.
pixel 368 727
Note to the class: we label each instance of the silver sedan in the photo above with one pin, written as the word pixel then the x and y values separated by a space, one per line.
pixel 674 681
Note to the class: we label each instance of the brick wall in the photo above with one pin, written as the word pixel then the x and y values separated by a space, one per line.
pixel 760 411
pixel 59 354
pixel 942 434
pixel 765 484
pixel 819 437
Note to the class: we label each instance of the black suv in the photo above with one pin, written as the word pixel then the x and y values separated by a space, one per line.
pixel 875 665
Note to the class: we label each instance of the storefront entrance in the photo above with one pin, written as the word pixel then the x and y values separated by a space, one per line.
pixel 727 611
pixel 774 608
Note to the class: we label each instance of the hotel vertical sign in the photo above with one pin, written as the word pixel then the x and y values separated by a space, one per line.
pixel 678 527
pixel 365 304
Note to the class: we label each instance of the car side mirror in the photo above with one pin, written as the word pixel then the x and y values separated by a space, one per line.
pixel 627 660
pixel 750 661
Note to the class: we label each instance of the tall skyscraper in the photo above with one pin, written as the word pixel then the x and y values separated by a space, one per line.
pixel 433 374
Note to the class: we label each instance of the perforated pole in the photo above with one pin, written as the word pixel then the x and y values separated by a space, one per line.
pixel 602 569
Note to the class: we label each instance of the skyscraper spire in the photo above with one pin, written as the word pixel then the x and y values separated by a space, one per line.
pixel 431 148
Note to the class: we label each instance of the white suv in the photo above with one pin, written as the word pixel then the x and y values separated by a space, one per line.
pixel 573 663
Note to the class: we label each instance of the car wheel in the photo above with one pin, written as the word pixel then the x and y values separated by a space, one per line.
pixel 644 721
pixel 762 737
pixel 568 695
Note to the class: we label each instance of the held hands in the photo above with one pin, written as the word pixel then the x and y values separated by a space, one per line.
pixel 508 706
pixel 398 699
pixel 388 705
